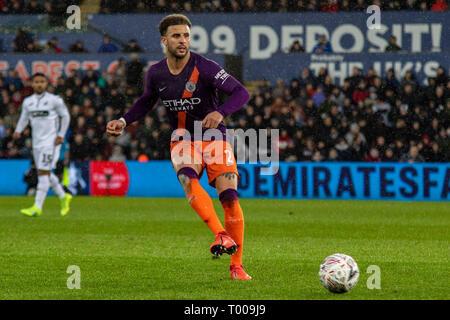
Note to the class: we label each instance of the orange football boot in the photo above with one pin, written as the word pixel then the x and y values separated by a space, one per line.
pixel 237 272
pixel 223 244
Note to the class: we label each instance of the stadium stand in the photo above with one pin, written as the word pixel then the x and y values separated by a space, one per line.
pixel 318 120
pixel 199 6
pixel 368 118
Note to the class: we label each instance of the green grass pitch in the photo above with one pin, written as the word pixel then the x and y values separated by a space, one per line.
pixel 133 248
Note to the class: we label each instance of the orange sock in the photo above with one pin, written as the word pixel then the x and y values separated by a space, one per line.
pixel 234 221
pixel 201 202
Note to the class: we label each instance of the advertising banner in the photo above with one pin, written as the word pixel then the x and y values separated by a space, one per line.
pixel 264 34
pixel 292 180
pixel 340 66
pixel 108 178
pixel 281 65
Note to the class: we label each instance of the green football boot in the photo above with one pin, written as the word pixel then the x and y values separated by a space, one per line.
pixel 65 204
pixel 32 211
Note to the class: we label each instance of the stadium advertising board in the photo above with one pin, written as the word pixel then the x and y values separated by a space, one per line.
pixel 262 35
pixel 108 178
pixel 338 180
pixel 283 66
pixel 294 180
pixel 55 66
pixel 340 66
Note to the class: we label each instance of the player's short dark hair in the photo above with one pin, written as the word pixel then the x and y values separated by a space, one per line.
pixel 173 20
pixel 38 74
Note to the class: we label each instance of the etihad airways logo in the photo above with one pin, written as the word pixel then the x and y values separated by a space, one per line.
pixel 182 104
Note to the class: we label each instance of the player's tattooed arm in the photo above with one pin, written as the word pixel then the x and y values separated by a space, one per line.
pixel 229 175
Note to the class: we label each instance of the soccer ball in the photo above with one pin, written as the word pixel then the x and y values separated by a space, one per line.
pixel 338 273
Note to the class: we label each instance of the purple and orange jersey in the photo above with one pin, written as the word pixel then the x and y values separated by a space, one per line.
pixel 190 95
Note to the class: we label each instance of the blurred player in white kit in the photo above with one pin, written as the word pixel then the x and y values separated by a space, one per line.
pixel 49 119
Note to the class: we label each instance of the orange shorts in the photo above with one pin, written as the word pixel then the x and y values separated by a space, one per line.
pixel 216 156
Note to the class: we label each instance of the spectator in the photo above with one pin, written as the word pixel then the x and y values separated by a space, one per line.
pixel 249 6
pixel 159 7
pixel 392 46
pixel 360 5
pixel 120 72
pixel 345 6
pixel 89 77
pixel 175 6
pixel 132 46
pixel 107 46
pixel 408 5
pixel 216 6
pixel 360 93
pixel 355 79
pixel 439 5
pixel 34 7
pixel 299 6
pixel 21 41
pixel 344 150
pixel 412 156
pixel 52 46
pixel 319 96
pixel 306 77
pixel 389 156
pixel 330 6
pixel 441 76
pixel 78 47
pixel 134 72
pixel 423 6
pixel 354 134
pixel 391 81
pixel 296 47
pixel 13 78
pixel 308 150
pixel 35 46
pixel 409 79
pixel 312 5
pixel 373 156
pixel 141 7
pixel 117 155
pixel 333 155
pixel 79 149
pixel 323 45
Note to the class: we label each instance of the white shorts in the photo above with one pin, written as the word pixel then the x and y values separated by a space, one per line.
pixel 46 158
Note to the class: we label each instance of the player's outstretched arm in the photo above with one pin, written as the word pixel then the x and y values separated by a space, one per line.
pixel 139 109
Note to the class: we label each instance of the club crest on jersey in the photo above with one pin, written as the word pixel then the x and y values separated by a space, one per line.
pixel 190 86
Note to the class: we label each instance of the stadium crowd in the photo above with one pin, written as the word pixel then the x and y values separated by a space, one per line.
pixel 253 6
pixel 57 7
pixel 50 7
pixel 368 118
